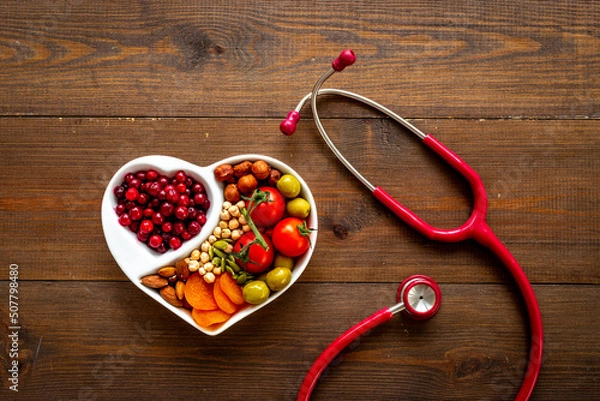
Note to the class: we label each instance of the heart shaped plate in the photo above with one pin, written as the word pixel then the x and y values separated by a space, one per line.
pixel 137 260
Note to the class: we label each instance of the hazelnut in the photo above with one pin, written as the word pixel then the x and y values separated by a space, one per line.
pixel 224 172
pixel 274 176
pixel 261 169
pixel 247 184
pixel 241 169
pixel 232 193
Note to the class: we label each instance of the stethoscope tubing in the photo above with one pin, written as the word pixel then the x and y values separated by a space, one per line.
pixel 475 227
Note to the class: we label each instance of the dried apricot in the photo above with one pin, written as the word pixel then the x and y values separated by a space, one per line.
pixel 231 288
pixel 199 293
pixel 207 318
pixel 223 301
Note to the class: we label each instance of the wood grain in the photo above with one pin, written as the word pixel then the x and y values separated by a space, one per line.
pixel 112 339
pixel 511 86
pixel 512 59
pixel 60 193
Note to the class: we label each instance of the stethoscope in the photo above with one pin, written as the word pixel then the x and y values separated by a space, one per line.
pixel 419 296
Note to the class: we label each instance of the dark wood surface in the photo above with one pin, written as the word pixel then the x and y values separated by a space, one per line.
pixel 510 86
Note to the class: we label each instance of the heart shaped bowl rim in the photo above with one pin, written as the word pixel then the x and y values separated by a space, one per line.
pixel 144 261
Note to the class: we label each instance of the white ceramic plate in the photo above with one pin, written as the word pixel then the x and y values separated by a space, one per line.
pixel 137 260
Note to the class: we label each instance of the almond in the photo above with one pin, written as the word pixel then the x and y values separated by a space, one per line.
pixel 154 281
pixel 183 272
pixel 180 289
pixel 168 294
pixel 167 272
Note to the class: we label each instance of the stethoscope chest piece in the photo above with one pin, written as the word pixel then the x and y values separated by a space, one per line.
pixel 421 297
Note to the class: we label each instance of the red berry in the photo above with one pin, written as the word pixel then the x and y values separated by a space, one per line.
pixel 175 243
pixel 178 227
pixel 183 200
pixel 136 213
pixel 131 194
pixel 155 241
pixel 180 176
pixel 197 187
pixel 181 212
pixel 194 228
pixel 167 227
pixel 158 218
pixel 146 227
pixel 152 175
pixel 167 209
pixel 172 195
pixel 125 220
pixel 181 188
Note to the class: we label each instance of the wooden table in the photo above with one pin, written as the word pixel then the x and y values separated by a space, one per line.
pixel 511 86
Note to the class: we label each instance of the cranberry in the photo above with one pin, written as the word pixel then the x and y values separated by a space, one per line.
pixel 120 209
pixel 183 200
pixel 175 243
pixel 143 199
pixel 163 181
pixel 142 236
pixel 167 227
pixel 132 194
pixel 178 227
pixel 197 187
pixel 135 183
pixel 194 228
pixel 206 204
pixel 125 220
pixel 162 195
pixel 192 213
pixel 146 227
pixel 134 226
pixel 158 218
pixel 151 175
pixel 172 195
pixel 129 177
pixel 153 189
pixel 119 191
pixel 136 213
pixel 180 176
pixel 186 235
pixel 167 208
pixel 155 241
pixel 199 198
pixel 141 175
pixel 148 212
pixel 181 212
pixel 180 188
pixel 201 218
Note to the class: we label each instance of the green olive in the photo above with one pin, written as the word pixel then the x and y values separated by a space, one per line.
pixel 298 207
pixel 289 186
pixel 256 292
pixel 283 261
pixel 278 278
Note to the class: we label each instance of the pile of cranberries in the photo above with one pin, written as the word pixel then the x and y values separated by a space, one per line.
pixel 162 211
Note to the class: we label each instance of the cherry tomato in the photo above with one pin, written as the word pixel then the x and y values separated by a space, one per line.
pixel 268 212
pixel 258 259
pixel 290 237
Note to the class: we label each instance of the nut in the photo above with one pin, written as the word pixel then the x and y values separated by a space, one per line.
pixel 247 184
pixel 168 293
pixel 167 272
pixel 224 172
pixel 183 272
pixel 232 193
pixel 180 289
pixel 274 176
pixel 154 281
pixel 261 169
pixel 242 168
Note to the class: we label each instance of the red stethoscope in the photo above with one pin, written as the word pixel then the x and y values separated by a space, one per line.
pixel 419 296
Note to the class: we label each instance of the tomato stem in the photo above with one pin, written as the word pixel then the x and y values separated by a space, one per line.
pixel 259 238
